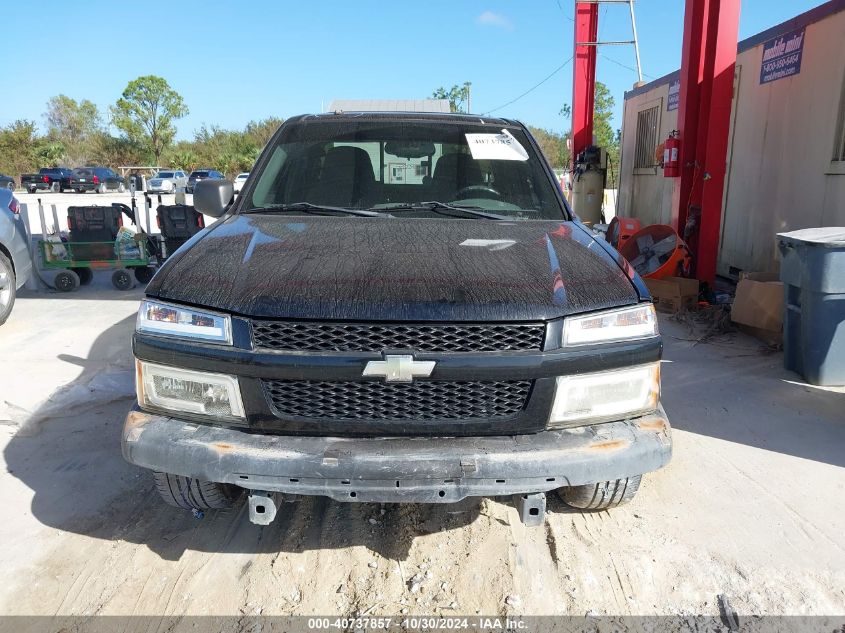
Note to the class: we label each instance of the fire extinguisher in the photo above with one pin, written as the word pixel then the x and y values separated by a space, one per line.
pixel 671 150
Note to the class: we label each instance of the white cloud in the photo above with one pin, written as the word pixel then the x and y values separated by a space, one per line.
pixel 488 18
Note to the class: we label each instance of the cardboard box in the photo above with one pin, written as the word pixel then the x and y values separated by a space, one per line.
pixel 758 306
pixel 671 294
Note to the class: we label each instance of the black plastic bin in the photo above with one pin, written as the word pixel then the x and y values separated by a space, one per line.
pixel 178 223
pixel 93 223
pixel 813 274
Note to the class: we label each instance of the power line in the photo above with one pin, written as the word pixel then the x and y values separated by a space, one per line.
pixel 531 89
pixel 618 63
pixel 565 14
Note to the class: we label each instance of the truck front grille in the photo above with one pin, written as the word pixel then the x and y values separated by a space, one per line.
pixel 376 337
pixel 426 400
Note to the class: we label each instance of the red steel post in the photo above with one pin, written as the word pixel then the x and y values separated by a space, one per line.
pixel 584 75
pixel 707 78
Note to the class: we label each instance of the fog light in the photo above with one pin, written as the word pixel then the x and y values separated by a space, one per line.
pixel 607 395
pixel 198 392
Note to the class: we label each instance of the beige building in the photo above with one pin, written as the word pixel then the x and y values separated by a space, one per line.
pixel 786 156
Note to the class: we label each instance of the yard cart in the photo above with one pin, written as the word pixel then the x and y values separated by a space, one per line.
pixel 77 261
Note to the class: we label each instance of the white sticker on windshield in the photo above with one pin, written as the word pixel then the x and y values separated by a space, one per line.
pixel 493 245
pixel 496 147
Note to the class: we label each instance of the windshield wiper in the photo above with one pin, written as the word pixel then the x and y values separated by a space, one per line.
pixel 442 207
pixel 308 207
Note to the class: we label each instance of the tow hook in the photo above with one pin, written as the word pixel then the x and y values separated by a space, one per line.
pixel 262 507
pixel 531 508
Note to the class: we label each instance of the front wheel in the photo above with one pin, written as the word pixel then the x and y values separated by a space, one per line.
pixel 144 274
pixel 56 187
pixel 601 496
pixel 122 280
pixel 121 188
pixel 195 494
pixel 66 281
pixel 8 288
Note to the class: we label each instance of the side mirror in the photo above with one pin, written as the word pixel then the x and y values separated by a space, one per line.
pixel 213 197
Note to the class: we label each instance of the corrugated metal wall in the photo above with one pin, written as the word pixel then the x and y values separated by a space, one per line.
pixel 781 176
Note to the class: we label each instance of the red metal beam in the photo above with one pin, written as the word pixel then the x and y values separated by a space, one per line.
pixel 584 76
pixel 707 78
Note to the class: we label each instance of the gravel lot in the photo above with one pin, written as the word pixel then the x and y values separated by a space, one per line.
pixel 752 505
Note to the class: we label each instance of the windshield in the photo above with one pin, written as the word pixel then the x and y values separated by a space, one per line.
pixel 398 166
pixel 164 174
pixel 199 174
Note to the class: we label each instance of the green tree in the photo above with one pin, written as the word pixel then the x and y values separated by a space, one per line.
pixel 184 158
pixel 146 111
pixel 74 126
pixel 603 132
pixel 18 141
pixel 553 145
pixel 458 96
pixel 117 150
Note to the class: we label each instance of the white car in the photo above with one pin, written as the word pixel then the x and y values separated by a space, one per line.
pixel 240 179
pixel 167 181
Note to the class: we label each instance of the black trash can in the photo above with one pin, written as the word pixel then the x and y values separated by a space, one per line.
pixel 813 273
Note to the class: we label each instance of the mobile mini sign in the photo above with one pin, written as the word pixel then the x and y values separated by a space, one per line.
pixel 674 95
pixel 782 56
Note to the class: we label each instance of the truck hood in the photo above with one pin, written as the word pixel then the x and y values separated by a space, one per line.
pixel 394 269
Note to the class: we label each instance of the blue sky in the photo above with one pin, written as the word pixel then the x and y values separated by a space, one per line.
pixel 237 61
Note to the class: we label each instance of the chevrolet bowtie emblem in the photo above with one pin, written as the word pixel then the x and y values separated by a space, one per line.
pixel 399 368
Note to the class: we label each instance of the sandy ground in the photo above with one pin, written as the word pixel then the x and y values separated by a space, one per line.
pixel 752 505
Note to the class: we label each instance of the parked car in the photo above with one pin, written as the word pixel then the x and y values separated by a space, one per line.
pixel 404 309
pixel 202 174
pixel 167 181
pixel 7 182
pixel 54 179
pixel 239 181
pixel 97 179
pixel 15 261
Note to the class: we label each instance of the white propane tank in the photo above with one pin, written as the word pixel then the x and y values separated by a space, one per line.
pixel 588 195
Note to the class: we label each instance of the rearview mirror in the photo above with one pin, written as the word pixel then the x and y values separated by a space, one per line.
pixel 213 197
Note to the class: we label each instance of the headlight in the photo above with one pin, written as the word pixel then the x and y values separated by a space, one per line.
pixel 613 325
pixel 606 395
pixel 199 392
pixel 164 319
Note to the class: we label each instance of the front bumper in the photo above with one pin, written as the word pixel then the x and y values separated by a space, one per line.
pixel 404 469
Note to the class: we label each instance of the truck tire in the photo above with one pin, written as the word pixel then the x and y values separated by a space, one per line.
pixel 66 281
pixel 121 188
pixel 8 288
pixel 144 274
pixel 195 494
pixel 56 187
pixel 32 190
pixel 601 496
pixel 122 279
pixel 11 185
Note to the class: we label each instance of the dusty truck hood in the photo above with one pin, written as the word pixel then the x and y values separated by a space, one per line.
pixel 351 268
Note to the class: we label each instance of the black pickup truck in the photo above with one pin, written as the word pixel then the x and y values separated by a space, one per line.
pixel 399 307
pixel 54 179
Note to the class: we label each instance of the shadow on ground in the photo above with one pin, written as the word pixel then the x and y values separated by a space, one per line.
pixel 736 390
pixel 82 484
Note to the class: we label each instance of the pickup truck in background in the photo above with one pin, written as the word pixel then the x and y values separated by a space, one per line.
pixel 54 179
